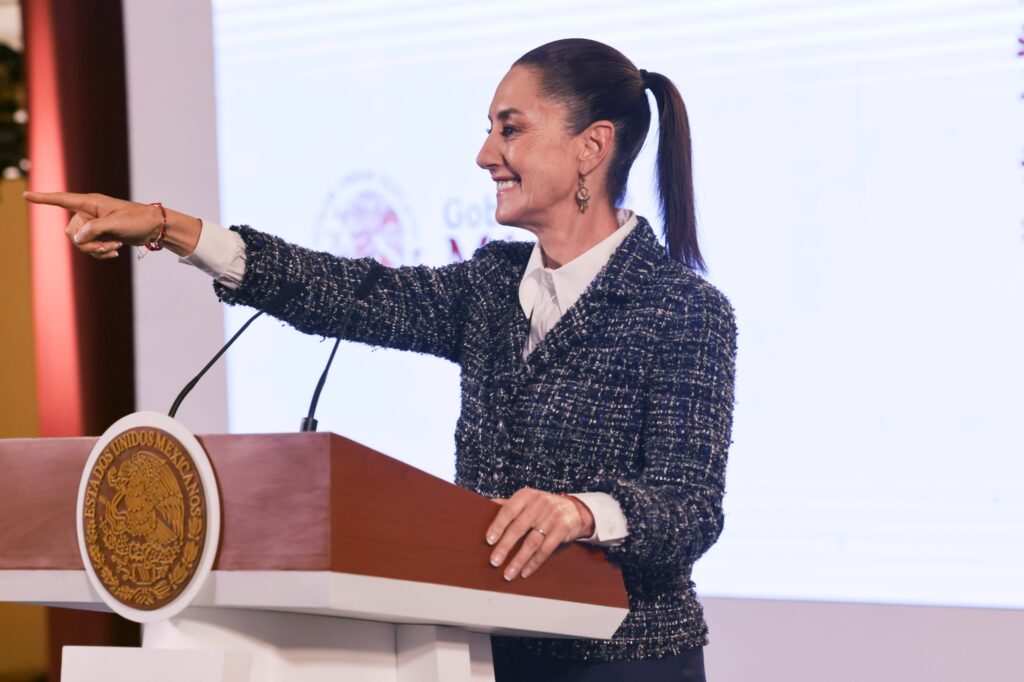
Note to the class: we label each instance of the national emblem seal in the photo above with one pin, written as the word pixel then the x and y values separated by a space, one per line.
pixel 144 517
pixel 148 514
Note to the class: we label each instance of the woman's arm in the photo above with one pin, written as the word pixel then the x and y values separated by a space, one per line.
pixel 410 308
pixel 415 308
pixel 674 510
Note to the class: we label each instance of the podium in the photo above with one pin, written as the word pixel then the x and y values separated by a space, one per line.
pixel 334 562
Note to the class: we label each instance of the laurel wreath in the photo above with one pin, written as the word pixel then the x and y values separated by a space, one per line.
pixel 138 596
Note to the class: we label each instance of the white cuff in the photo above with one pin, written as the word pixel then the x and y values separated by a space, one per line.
pixel 610 527
pixel 219 253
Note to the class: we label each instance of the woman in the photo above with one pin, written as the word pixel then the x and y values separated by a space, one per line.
pixel 595 362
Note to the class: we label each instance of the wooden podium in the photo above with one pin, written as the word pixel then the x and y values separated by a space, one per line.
pixel 335 562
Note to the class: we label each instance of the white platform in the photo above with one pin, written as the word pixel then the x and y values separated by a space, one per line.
pixel 349 596
pixel 221 645
pixel 313 626
pixel 125 664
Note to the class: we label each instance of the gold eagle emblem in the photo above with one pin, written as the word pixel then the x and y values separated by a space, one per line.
pixel 144 517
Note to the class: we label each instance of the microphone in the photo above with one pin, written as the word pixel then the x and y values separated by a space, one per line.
pixel 376 270
pixel 287 291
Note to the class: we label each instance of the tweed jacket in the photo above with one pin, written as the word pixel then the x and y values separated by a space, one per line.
pixel 630 393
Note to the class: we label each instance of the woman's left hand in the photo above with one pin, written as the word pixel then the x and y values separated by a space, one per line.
pixel 543 521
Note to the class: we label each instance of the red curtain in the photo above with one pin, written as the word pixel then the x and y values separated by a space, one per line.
pixel 78 141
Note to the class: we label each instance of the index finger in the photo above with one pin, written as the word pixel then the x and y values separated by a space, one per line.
pixel 510 509
pixel 72 201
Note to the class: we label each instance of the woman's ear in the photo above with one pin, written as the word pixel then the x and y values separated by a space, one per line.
pixel 596 144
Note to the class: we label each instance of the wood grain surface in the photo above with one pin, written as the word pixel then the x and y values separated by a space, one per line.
pixel 393 520
pixel 302 501
pixel 38 491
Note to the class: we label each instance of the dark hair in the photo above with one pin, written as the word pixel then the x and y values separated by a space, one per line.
pixel 596 82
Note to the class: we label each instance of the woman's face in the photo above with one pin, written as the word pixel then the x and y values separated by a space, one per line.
pixel 529 154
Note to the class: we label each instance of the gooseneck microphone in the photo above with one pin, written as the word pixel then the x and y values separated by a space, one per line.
pixel 286 292
pixel 365 287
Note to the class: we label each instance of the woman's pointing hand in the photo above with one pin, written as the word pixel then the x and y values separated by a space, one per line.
pixel 100 225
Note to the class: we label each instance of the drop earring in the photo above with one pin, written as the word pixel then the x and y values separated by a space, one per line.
pixel 583 195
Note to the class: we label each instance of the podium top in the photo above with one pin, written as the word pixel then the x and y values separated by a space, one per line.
pixel 303 502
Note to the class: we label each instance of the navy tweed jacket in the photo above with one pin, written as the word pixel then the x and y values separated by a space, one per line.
pixel 630 393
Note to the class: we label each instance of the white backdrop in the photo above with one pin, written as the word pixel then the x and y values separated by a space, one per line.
pixel 859 198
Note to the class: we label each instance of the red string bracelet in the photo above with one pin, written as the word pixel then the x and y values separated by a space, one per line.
pixel 156 243
pixel 579 504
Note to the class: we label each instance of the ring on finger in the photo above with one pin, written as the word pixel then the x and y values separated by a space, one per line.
pixel 541 531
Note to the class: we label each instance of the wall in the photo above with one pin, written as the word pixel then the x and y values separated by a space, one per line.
pixel 790 641
pixel 22 628
pixel 18 416
pixel 179 324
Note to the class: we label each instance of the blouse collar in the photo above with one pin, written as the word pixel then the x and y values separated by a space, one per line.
pixel 568 282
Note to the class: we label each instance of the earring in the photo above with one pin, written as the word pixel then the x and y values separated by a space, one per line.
pixel 583 195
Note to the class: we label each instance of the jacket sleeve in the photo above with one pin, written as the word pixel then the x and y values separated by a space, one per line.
pixel 417 308
pixel 674 508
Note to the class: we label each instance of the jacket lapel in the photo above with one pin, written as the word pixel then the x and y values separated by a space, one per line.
pixel 623 278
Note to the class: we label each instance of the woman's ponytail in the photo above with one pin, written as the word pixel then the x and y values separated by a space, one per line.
pixel 596 82
pixel 675 173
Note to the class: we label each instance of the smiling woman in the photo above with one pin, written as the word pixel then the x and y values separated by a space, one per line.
pixel 574 114
pixel 597 366
pixel 535 161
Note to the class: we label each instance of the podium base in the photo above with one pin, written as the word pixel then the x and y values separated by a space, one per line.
pixel 221 645
pixel 128 664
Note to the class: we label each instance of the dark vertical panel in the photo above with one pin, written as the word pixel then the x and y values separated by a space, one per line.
pixel 89 71
pixel 91 80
